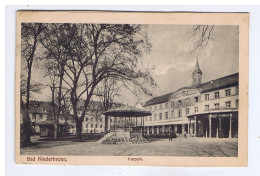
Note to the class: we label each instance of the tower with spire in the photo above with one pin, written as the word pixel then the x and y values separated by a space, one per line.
pixel 197 74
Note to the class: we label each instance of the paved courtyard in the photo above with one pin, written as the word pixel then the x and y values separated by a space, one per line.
pixel 159 147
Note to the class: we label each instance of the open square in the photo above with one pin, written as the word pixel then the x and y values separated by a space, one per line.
pixel 199 147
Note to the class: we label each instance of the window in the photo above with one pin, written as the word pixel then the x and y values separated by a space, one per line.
pixel 237 104
pixel 180 113
pixel 196 99
pixel 160 116
pixel 187 111
pixel 237 90
pixel 196 109
pixel 166 115
pixel 86 119
pixel 216 105
pixel 155 108
pixel 86 125
pixel 172 114
pixel 100 126
pixel 172 104
pixel 160 129
pixel 155 130
pixel 96 125
pixel 179 103
pixel 150 118
pixel 206 96
pixel 160 107
pixel 100 119
pixel 155 117
pixel 216 94
pixel 206 107
pixel 91 119
pixel 150 129
pixel 166 105
pixel 227 92
pixel 91 125
pixel 228 104
pixel 150 109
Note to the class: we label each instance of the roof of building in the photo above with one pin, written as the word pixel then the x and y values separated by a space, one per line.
pixel 220 83
pixel 49 122
pixel 158 100
pixel 96 105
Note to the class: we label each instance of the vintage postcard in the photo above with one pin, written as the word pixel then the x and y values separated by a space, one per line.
pixel 132 88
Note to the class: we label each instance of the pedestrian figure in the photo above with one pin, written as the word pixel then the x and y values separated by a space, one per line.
pixel 185 134
pixel 170 136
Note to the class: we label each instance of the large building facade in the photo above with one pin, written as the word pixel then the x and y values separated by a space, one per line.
pixel 207 109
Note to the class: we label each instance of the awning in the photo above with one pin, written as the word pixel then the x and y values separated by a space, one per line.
pixel 214 111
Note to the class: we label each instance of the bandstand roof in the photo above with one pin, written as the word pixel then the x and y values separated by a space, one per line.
pixel 127 111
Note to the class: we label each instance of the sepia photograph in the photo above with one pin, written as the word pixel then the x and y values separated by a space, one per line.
pixel 130 89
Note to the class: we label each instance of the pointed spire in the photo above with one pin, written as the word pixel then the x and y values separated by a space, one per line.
pixel 197 67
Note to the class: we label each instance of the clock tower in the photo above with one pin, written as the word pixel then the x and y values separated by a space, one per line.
pixel 197 75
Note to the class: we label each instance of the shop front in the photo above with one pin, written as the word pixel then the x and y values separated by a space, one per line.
pixel 215 123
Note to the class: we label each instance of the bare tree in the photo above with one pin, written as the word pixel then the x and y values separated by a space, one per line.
pixel 55 39
pixel 100 51
pixel 202 34
pixel 107 91
pixel 29 42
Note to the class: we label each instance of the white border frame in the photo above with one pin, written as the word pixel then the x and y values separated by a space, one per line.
pixel 254 86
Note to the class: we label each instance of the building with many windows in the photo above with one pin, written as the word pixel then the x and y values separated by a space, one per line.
pixel 94 121
pixel 207 109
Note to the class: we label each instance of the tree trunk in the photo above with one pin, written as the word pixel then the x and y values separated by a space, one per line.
pixel 26 117
pixel 26 128
pixel 55 131
pixel 106 124
pixel 55 124
pixel 59 107
pixel 79 128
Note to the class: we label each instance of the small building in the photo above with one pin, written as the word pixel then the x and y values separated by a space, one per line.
pixel 41 117
pixel 47 128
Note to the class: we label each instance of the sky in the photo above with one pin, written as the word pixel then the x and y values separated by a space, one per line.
pixel 171 48
pixel 170 56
